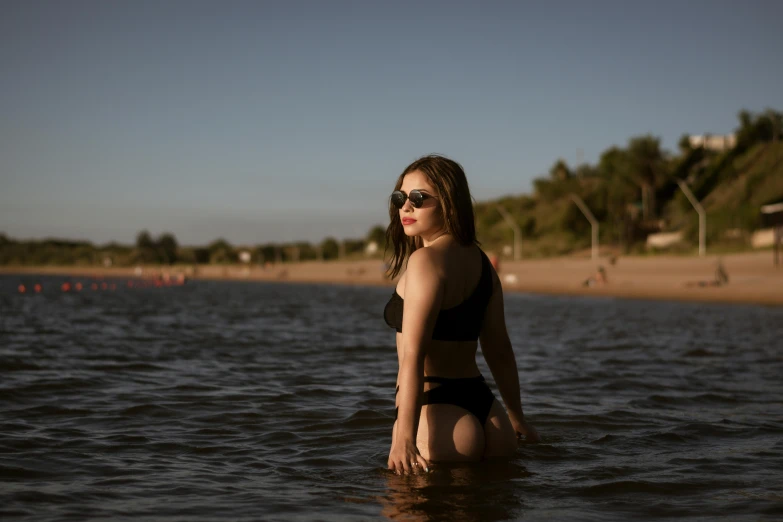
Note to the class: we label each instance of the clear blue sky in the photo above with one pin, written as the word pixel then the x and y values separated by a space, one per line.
pixel 276 121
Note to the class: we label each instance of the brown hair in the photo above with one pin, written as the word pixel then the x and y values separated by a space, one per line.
pixel 456 207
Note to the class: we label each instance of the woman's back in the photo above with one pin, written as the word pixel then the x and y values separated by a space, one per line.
pixel 467 281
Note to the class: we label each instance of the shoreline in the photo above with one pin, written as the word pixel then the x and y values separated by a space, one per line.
pixel 752 277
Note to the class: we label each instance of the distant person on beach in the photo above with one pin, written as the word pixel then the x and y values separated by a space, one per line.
pixel 447 300
pixel 721 277
pixel 599 279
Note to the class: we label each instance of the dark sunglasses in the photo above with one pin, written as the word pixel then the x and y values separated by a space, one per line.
pixel 398 198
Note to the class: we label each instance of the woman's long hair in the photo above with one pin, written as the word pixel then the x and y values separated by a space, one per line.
pixel 456 207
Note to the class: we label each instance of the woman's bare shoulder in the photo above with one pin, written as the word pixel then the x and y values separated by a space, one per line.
pixel 425 262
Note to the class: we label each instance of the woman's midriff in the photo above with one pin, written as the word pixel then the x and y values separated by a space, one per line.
pixel 450 359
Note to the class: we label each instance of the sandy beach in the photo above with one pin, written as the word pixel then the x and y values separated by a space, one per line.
pixel 752 276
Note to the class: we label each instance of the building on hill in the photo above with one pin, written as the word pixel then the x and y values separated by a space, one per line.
pixel 714 142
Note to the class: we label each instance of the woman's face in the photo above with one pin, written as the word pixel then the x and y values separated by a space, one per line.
pixel 426 220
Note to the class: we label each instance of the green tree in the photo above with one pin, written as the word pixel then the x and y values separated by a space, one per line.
pixel 201 255
pixel 685 144
pixel 619 190
pixel 167 248
pixel 585 171
pixel 560 171
pixel 306 251
pixel 353 246
pixel 146 249
pixel 755 128
pixel 776 120
pixel 330 249
pixel 746 132
pixel 144 240
pixel 647 165
pixel 266 253
pixel 221 252
pixel 378 235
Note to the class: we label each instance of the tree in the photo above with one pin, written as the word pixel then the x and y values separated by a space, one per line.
pixel 620 190
pixel 685 144
pixel 146 249
pixel 221 252
pixel 585 171
pixel 167 248
pixel 353 246
pixel 755 128
pixel 777 124
pixel 306 250
pixel 201 255
pixel 266 253
pixel 330 249
pixel 378 235
pixel 746 133
pixel 560 171
pixel 144 240
pixel 647 164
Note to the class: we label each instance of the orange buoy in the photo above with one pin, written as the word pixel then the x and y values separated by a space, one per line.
pixel 103 286
pixel 78 287
pixel 22 289
pixel 66 287
pixel 37 288
pixel 94 286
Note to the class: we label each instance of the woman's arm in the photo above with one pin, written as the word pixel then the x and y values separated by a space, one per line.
pixel 497 350
pixel 423 296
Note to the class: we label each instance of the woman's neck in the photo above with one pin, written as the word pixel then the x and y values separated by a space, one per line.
pixel 434 238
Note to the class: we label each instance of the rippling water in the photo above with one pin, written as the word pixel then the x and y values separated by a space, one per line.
pixel 249 401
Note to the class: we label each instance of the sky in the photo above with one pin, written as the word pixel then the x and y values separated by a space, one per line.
pixel 261 121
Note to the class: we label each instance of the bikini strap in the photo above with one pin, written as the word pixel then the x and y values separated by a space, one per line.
pixel 444 380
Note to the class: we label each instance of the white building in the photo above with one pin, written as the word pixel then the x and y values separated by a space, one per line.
pixel 714 142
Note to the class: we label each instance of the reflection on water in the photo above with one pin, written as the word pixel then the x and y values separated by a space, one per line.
pixel 252 401
pixel 482 491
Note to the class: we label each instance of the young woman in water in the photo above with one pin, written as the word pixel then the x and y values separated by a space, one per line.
pixel 447 300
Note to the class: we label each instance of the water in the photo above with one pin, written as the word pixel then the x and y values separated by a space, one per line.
pixel 250 401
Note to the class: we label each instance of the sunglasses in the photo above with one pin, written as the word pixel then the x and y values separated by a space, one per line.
pixel 398 198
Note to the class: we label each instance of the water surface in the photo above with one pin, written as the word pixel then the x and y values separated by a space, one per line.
pixel 249 401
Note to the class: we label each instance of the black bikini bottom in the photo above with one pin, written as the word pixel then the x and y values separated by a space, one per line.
pixel 470 393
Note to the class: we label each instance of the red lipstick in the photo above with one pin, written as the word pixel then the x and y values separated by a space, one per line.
pixel 408 221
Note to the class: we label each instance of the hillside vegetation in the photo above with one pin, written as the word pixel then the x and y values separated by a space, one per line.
pixel 633 192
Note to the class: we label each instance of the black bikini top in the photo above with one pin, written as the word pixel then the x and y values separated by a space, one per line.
pixel 458 323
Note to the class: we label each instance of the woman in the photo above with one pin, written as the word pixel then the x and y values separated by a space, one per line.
pixel 451 297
